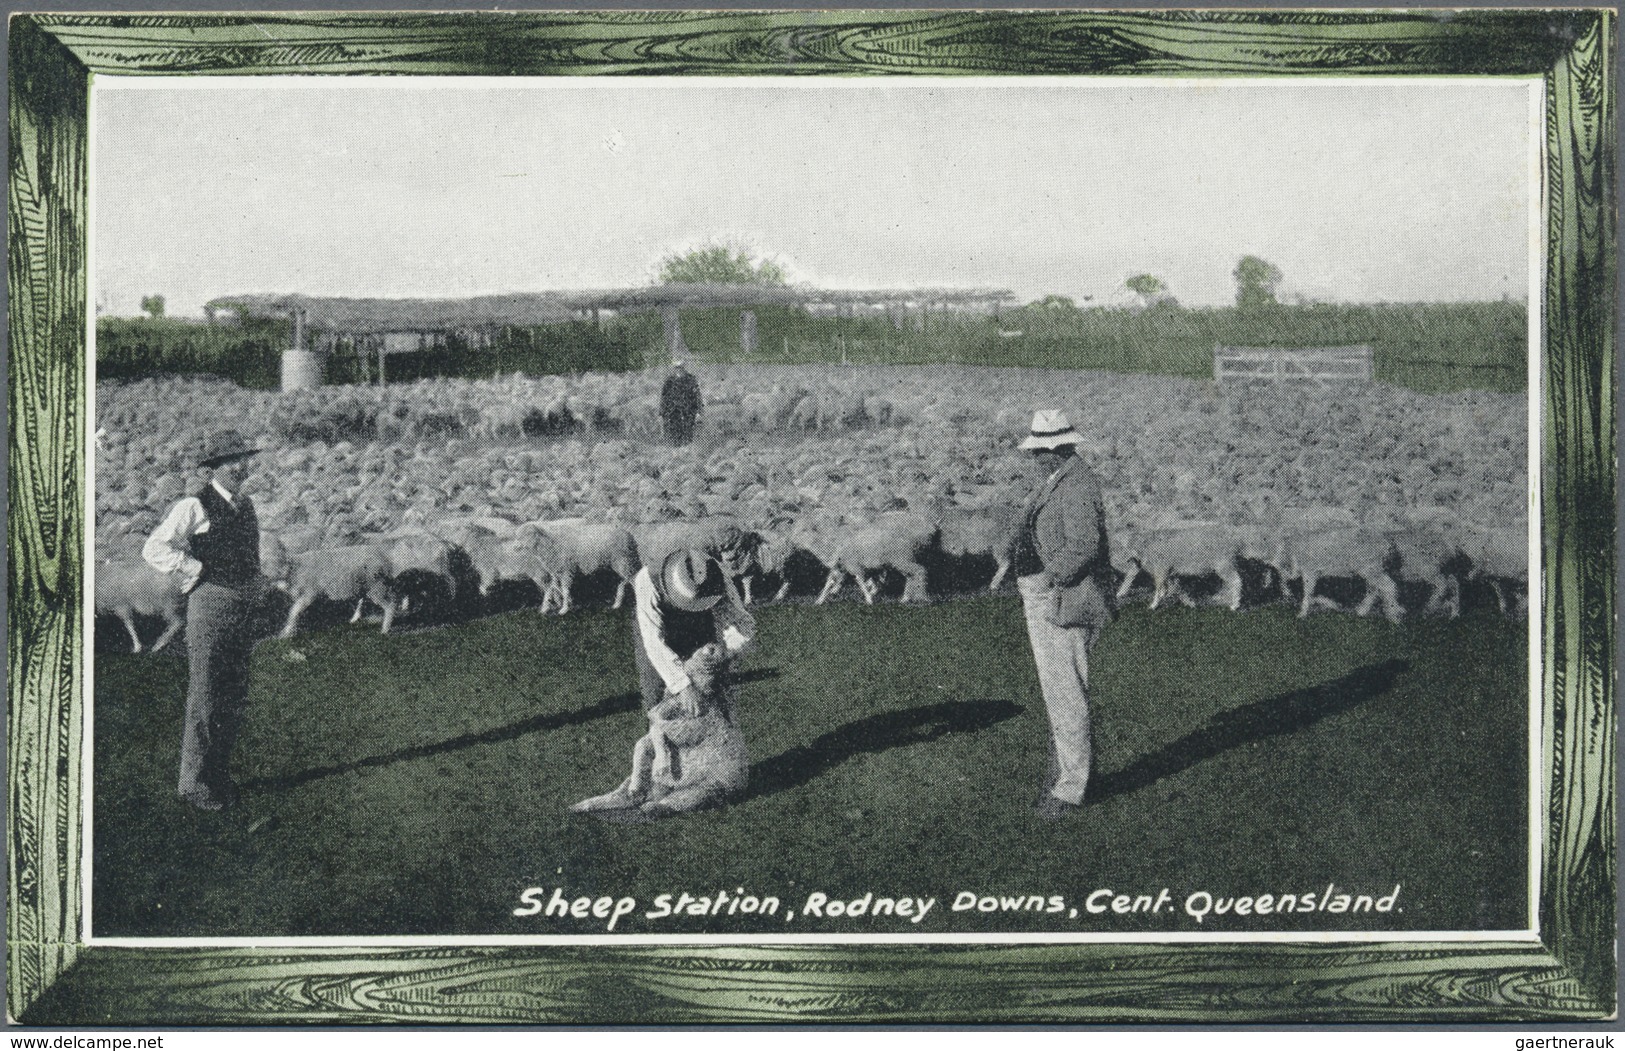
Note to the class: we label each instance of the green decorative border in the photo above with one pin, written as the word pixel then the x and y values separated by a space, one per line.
pixel 52 978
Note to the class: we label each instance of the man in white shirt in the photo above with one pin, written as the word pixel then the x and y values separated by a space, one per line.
pixel 211 540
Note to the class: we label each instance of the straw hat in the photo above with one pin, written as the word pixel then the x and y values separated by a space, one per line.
pixel 1051 430
pixel 691 580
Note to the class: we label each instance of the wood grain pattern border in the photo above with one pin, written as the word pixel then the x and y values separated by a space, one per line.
pixel 53 979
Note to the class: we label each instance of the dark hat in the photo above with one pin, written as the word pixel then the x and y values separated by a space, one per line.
pixel 691 580
pixel 223 447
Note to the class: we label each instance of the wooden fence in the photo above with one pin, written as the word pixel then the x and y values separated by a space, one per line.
pixel 1320 365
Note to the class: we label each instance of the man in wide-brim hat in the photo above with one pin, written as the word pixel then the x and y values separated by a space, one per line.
pixel 1062 565
pixel 680 605
pixel 212 541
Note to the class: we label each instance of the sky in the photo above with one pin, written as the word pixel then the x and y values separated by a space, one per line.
pixel 1361 190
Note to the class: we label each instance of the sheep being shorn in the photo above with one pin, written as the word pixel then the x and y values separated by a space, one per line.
pixel 128 589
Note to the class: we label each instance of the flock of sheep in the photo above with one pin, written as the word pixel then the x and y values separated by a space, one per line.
pixel 1371 497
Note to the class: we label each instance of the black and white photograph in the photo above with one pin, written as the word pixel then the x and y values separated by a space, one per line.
pixel 917 511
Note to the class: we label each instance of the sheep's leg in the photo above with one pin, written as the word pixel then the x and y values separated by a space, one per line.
pixel 1500 596
pixel 562 584
pixel 1309 582
pixel 636 787
pixel 354 617
pixel 175 624
pixel 666 766
pixel 745 582
pixel 999 573
pixel 1452 596
pixel 300 604
pixel 1388 593
pixel 617 798
pixel 691 797
pixel 1129 578
pixel 869 586
pixel 913 582
pixel 544 584
pixel 1232 577
pixel 129 626
pixel 1159 585
pixel 784 589
pixel 389 603
pixel 620 593
pixel 832 584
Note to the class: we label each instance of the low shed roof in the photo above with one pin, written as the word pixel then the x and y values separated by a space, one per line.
pixel 341 314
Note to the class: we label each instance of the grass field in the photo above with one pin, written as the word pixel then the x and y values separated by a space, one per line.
pixel 417 783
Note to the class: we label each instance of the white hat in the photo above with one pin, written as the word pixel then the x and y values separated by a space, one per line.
pixel 1051 430
pixel 691 580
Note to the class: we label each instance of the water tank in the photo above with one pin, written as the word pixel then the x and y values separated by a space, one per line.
pixel 302 369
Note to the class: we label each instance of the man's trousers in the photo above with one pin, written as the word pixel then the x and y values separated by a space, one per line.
pixel 218 644
pixel 1062 656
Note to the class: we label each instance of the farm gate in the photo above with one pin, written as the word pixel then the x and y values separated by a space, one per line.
pixel 1319 365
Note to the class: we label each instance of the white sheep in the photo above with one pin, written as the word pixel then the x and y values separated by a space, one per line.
pixel 988 531
pixel 1422 554
pixel 497 558
pixel 127 589
pixel 1500 557
pixel 579 548
pixel 356 573
pixel 421 551
pixel 893 541
pixel 723 538
pixel 1340 551
pixel 1194 549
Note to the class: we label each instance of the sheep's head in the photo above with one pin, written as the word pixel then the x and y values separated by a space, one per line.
pixel 706 669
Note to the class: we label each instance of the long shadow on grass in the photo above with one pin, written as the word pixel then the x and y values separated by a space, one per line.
pixel 621 702
pixel 875 733
pixel 1287 713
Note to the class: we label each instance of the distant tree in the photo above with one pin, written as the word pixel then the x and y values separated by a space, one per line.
pixel 1152 290
pixel 1256 280
pixel 1147 286
pixel 719 264
pixel 153 306
pixel 1055 303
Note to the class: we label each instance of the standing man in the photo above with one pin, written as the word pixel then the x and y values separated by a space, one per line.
pixel 212 540
pixel 1062 565
pixel 679 404
pixel 684 604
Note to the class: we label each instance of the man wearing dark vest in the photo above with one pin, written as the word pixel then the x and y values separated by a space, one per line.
pixel 1062 565
pixel 684 604
pixel 212 540
pixel 680 404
